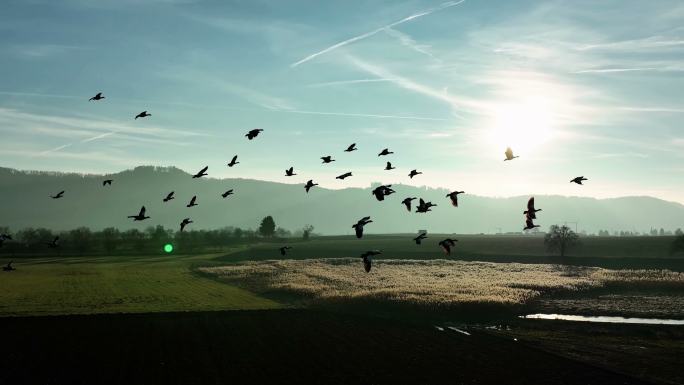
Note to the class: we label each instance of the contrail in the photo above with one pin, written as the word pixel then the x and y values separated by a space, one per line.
pixel 361 115
pixel 371 33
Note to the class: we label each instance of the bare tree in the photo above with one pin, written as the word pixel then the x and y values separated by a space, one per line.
pixel 560 239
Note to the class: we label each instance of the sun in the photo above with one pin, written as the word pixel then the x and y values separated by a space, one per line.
pixel 524 126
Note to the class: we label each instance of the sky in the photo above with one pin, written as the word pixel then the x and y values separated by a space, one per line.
pixel 591 88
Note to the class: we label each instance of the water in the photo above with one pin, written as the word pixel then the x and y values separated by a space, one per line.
pixel 606 319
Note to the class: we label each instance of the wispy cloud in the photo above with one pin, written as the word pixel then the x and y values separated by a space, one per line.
pixel 45 50
pixel 407 41
pixel 628 69
pixel 376 31
pixel 363 115
pixel 348 82
pixel 651 42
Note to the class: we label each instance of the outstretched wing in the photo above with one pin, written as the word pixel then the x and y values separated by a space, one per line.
pixel 142 211
pixel 530 204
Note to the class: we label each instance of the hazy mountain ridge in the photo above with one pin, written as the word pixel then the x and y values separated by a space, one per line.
pixel 26 202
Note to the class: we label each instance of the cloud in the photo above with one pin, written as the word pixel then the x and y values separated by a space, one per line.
pixel 642 69
pixel 652 42
pixel 407 41
pixel 45 50
pixel 348 82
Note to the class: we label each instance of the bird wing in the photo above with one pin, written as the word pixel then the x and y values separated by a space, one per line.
pixel 234 159
pixel 202 171
pixel 142 211
pixel 530 204
pixel 359 231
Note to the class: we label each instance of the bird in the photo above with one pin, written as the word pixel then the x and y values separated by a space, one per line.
pixel 169 196
pixel 253 133
pixel 531 211
pixel 423 206
pixel 53 244
pixel 309 185
pixel 192 201
pixel 201 173
pixel 141 215
pixel 359 226
pixel 107 182
pixel 8 267
pixel 529 224
pixel 447 244
pixel 233 161
pixel 407 202
pixel 389 166
pixel 98 96
pixel 345 175
pixel 381 191
pixel 368 259
pixel 509 154
pixel 229 192
pixel 184 223
pixel 419 238
pixel 143 114
pixel 578 180
pixel 352 147
pixel 59 195
pixel 290 172
pixel 385 152
pixel 284 249
pixel 327 159
pixel 414 173
pixel 454 197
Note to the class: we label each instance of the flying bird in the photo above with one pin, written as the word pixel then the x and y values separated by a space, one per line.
pixel 352 147
pixel 192 201
pixel 385 152
pixel 578 180
pixel 509 154
pixel 423 206
pixel 531 211
pixel 345 175
pixel 201 173
pixel 382 191
pixel 8 267
pixel 253 133
pixel 53 244
pixel 59 195
pixel 327 159
pixel 107 182
pixel 529 224
pixel 143 114
pixel 184 223
pixel 407 202
pixel 141 215
pixel 454 197
pixel 233 161
pixel 284 249
pixel 98 96
pixel 359 226
pixel 389 166
pixel 368 259
pixel 290 172
pixel 229 192
pixel 420 238
pixel 414 173
pixel 309 185
pixel 169 196
pixel 447 244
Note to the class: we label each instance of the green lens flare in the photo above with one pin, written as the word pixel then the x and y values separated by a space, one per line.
pixel 168 247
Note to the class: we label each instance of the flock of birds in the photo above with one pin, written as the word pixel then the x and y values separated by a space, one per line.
pixel 379 192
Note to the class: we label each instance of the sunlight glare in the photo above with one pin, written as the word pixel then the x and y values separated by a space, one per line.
pixel 524 126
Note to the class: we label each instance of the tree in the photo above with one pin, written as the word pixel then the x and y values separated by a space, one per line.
pixel 560 239
pixel 110 238
pixel 283 233
pixel 80 238
pixel 306 232
pixel 661 232
pixel 267 227
pixel 238 233
pixel 678 245
pixel 679 232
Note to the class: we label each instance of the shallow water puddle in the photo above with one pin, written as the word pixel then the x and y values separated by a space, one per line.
pixel 604 319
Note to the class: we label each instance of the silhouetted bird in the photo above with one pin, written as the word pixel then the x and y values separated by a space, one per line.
pixel 233 161
pixel 53 244
pixel 59 195
pixel 192 201
pixel 407 202
pixel 382 191
pixel 284 249
pixel 578 180
pixel 141 215
pixel 143 114
pixel 184 223
pixel 169 196
pixel 8 267
pixel 253 133
pixel 309 185
pixel 107 182
pixel 423 206
pixel 229 192
pixel 414 173
pixel 359 226
pixel 345 175
pixel 454 197
pixel 447 244
pixel 368 259
pixel 352 147
pixel 290 172
pixel 385 152
pixel 529 224
pixel 97 97
pixel 389 166
pixel 509 154
pixel 420 238
pixel 201 173
pixel 531 211
pixel 327 159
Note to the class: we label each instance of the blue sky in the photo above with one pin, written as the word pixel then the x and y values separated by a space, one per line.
pixel 589 88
